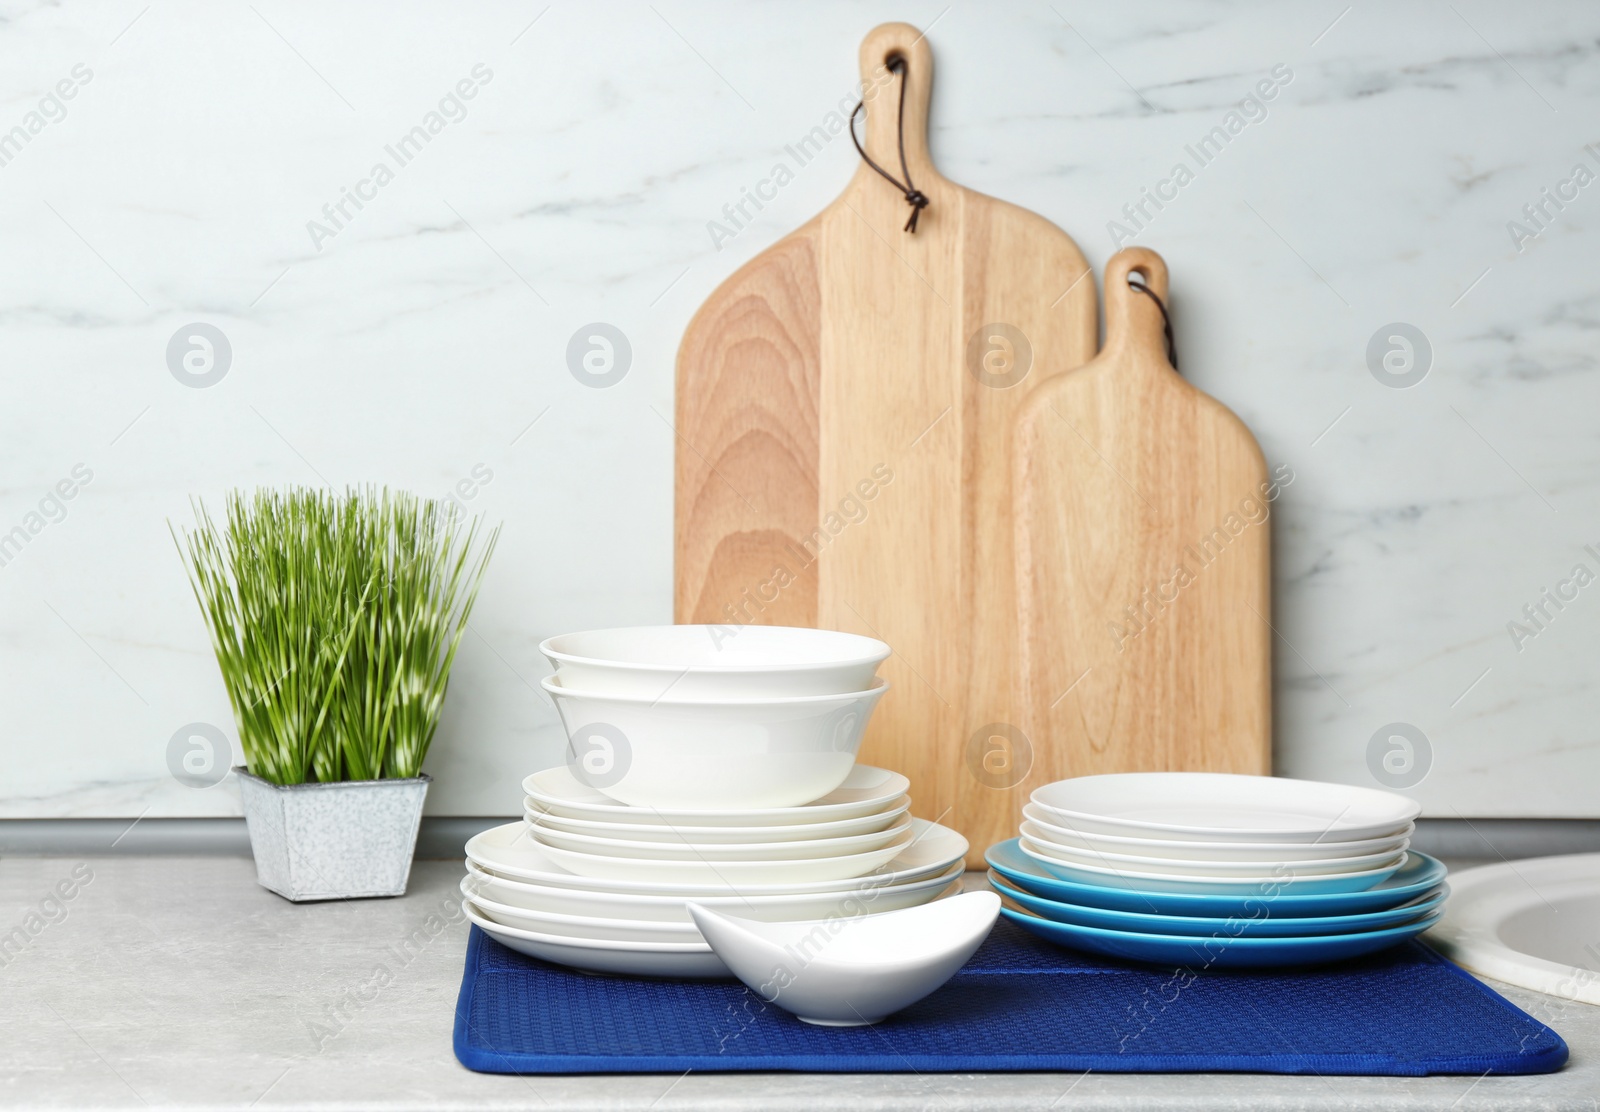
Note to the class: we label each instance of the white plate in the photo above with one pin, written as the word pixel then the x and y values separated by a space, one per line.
pixel 1163 866
pixel 1288 882
pixel 510 851
pixel 865 898
pixel 704 661
pixel 1215 806
pixel 694 754
pixel 684 960
pixel 646 832
pixel 1210 851
pixel 808 850
pixel 732 874
pixel 866 791
pixel 576 926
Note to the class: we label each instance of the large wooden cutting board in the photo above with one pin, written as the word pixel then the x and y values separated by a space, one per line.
pixel 1143 552
pixel 843 463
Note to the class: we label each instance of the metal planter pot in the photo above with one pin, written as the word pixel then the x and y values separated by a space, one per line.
pixel 333 841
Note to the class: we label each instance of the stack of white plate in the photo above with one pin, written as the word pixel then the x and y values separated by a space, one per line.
pixel 1248 870
pixel 707 765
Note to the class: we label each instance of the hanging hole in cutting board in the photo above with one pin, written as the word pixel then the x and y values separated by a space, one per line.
pixel 1136 280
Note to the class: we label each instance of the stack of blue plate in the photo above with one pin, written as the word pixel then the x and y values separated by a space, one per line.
pixel 1208 870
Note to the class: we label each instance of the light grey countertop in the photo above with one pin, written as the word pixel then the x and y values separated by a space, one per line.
pixel 178 982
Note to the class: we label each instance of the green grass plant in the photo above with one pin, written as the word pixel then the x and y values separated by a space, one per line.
pixel 335 619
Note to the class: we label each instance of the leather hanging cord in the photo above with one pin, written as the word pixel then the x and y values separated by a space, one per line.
pixel 1166 322
pixel 914 197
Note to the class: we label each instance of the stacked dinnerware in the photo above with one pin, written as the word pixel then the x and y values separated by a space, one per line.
pixel 709 765
pixel 1214 870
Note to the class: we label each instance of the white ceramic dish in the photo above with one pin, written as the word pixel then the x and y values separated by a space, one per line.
pixel 734 874
pixel 576 926
pixel 716 662
pixel 681 754
pixel 1165 866
pixel 1530 922
pixel 1286 883
pixel 810 849
pixel 846 973
pixel 680 960
pixel 1210 851
pixel 645 832
pixel 1215 806
pixel 510 851
pixel 869 899
pixel 865 791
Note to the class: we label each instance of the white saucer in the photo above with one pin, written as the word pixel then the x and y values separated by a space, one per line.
pixel 866 791
pixel 1214 806
pixel 681 960
pixel 509 850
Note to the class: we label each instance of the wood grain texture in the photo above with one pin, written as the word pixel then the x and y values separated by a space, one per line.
pixel 861 437
pixel 748 436
pixel 1143 553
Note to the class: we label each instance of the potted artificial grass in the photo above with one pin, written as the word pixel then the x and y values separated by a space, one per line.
pixel 335 619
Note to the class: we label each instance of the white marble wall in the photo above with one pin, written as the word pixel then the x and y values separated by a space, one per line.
pixel 422 339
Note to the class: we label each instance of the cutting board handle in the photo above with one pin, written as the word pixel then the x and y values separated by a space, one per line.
pixel 1133 322
pixel 880 88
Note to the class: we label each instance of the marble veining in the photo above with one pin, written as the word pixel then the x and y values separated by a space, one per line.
pixel 427 338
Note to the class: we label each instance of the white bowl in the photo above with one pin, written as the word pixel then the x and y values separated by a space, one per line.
pixel 643 832
pixel 1208 851
pixel 753 753
pixel 866 791
pixel 510 851
pixel 1216 806
pixel 845 973
pixel 865 897
pixel 730 873
pixel 1168 866
pixel 808 849
pixel 1288 881
pixel 715 662
pixel 683 960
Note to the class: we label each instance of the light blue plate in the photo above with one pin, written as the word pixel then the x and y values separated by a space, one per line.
pixel 1219 951
pixel 1262 924
pixel 1419 873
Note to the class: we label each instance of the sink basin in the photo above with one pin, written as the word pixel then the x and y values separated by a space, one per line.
pixel 1533 923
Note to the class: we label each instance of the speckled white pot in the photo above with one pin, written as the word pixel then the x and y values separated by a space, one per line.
pixel 333 841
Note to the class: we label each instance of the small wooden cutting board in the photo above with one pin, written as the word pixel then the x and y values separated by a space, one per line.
pixel 845 411
pixel 1143 556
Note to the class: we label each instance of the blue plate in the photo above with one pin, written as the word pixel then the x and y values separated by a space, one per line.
pixel 1263 924
pixel 1419 873
pixel 1219 951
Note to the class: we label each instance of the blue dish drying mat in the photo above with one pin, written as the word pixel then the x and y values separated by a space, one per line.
pixel 1019 1004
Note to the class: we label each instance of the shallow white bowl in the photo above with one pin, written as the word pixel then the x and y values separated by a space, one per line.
pixel 510 851
pixel 1209 851
pixel 675 753
pixel 1215 806
pixel 715 662
pixel 644 832
pixel 807 849
pixel 865 791
pixel 866 897
pixel 849 972
pixel 1168 866
pixel 732 873
pixel 1287 882
pixel 684 960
